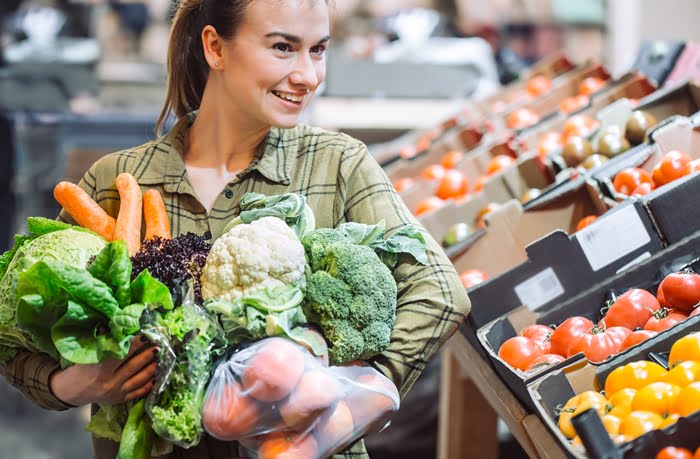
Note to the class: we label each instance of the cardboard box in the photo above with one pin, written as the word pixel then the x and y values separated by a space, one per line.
pixel 656 59
pixel 557 387
pixel 687 65
pixel 583 295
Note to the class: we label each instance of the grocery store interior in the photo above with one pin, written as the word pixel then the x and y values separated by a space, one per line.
pixel 551 146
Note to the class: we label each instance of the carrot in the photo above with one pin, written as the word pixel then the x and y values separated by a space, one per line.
pixel 84 209
pixel 128 227
pixel 157 223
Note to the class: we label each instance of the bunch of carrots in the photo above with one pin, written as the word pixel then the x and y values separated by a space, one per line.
pixel 127 226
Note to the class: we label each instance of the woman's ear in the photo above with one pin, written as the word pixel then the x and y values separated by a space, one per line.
pixel 213 46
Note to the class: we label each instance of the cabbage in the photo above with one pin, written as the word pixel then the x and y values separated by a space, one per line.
pixel 70 245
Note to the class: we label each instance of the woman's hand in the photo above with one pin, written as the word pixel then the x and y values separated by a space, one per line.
pixel 109 382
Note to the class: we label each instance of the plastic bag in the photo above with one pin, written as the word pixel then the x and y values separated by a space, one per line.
pixel 190 340
pixel 276 398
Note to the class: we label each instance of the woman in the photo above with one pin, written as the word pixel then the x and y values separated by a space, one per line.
pixel 240 73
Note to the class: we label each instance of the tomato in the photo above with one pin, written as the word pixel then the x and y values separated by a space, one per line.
pixel 632 309
pixel 634 375
pixel 599 343
pixel 451 159
pixel 612 424
pixel 629 179
pixel 574 103
pixel 671 452
pixel 585 221
pixel 452 185
pixel 578 404
pixel 693 167
pixel 670 420
pixel 568 332
pixel 637 423
pixel 658 397
pixel 685 349
pixel 683 374
pixel 681 290
pixel 688 401
pixel 522 118
pixel 538 85
pixel 428 205
pixel 620 404
pixel 637 337
pixel 545 361
pixel 673 166
pixel 663 319
pixel 591 85
pixel 519 352
pixel 483 212
pixel 697 453
pixel 403 184
pixel 579 126
pixel 433 172
pixel 499 162
pixel 551 142
pixel 643 189
pixel 539 334
pixel 479 184
pixel 472 277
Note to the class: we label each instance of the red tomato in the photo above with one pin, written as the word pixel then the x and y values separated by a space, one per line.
pixel 681 291
pixel 551 142
pixel 637 337
pixel 591 85
pixel 519 352
pixel 433 172
pixel 567 332
pixel 452 185
pixel 629 179
pixel 472 277
pixel 585 221
pixel 674 165
pixel 671 452
pixel 643 189
pixel 574 103
pixel 579 126
pixel 631 310
pixel 693 167
pixel 539 334
pixel 663 319
pixel 479 184
pixel 536 86
pixel 451 159
pixel 499 162
pixel 522 118
pixel 428 205
pixel 403 184
pixel 599 343
pixel 544 361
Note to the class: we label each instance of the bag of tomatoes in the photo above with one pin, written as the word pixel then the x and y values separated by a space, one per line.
pixel 279 400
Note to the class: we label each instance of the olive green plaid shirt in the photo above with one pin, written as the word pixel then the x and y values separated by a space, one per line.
pixel 342 183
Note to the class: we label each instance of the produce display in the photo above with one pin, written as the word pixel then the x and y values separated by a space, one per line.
pixel 261 334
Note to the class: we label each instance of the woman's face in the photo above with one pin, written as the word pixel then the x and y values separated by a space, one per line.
pixel 276 60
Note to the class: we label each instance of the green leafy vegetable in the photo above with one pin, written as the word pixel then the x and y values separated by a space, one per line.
pixel 290 207
pixel 407 240
pixel 137 437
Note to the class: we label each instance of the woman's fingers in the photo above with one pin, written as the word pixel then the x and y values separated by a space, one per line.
pixel 140 392
pixel 135 363
pixel 144 376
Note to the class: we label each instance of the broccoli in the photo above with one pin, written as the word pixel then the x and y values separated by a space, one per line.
pixel 350 294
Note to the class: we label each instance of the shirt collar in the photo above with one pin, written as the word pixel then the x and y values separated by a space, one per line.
pixel 166 166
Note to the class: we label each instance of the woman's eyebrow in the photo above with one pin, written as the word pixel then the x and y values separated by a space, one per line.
pixel 293 38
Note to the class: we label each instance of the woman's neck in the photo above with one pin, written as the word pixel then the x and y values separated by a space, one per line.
pixel 220 139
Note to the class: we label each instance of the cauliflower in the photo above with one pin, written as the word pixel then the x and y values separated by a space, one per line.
pixel 265 253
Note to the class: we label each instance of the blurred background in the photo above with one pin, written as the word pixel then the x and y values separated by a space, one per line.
pixel 82 78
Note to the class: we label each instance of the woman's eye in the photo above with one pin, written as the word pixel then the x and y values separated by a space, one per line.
pixel 284 47
pixel 318 49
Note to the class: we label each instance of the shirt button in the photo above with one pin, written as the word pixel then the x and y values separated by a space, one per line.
pixel 229 194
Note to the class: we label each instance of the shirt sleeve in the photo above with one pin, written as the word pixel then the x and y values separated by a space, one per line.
pixel 432 303
pixel 30 373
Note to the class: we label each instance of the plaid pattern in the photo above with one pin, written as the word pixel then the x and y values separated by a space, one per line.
pixel 342 182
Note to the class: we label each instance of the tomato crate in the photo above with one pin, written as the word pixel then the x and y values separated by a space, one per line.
pixel 587 302
pixel 552 391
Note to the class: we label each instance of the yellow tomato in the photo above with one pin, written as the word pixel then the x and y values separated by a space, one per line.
pixel 637 423
pixel 657 397
pixel 579 404
pixel 683 374
pixel 688 401
pixel 576 442
pixel 670 420
pixel 634 375
pixel 612 424
pixel 620 404
pixel 685 349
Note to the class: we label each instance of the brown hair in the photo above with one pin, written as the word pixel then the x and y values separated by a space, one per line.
pixel 187 68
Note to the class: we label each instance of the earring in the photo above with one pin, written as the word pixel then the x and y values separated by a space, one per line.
pixel 216 64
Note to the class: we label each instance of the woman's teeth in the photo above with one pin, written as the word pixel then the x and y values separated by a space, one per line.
pixel 288 96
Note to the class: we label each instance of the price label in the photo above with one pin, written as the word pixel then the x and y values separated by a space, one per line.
pixel 540 289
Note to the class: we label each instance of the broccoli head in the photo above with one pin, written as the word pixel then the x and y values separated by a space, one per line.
pixel 350 294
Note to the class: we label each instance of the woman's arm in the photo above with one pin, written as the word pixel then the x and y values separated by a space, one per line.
pixel 432 303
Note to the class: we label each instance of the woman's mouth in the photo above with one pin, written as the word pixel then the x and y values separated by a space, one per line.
pixel 289 97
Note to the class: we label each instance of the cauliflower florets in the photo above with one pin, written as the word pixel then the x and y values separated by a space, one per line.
pixel 264 253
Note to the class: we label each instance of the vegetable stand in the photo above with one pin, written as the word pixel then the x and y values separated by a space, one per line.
pixel 472 397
